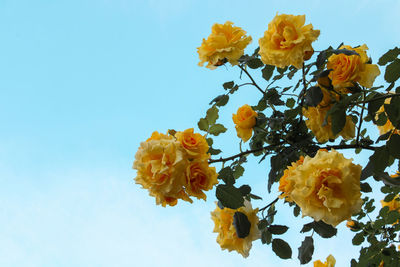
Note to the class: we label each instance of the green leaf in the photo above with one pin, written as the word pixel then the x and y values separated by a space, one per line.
pixel 255 197
pixel 307 227
pixel 278 229
pixel 306 250
pixel 358 239
pixel 365 187
pixel 213 151
pixel 212 115
pixel 296 211
pixel 254 63
pixel 203 124
pixel 392 72
pixel 267 72
pixel 338 118
pixel 393 145
pixel 266 237
pixel 229 196
pixel 245 190
pixel 389 197
pixel 281 248
pixel 379 159
pixel 392 217
pixel 228 85
pixel 223 100
pixel 262 224
pixel 290 102
pixel 226 174
pixel 393 111
pixel 313 96
pixel 389 56
pixel 216 129
pixel 374 105
pixel 239 170
pixel 241 224
pixel 324 230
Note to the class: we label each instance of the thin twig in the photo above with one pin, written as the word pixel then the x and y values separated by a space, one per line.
pixel 251 78
pixel 361 120
pixel 269 205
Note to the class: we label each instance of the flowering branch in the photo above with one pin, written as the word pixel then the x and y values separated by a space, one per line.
pixel 252 80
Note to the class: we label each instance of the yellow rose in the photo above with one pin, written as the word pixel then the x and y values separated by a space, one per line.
pixel 200 177
pixel 287 41
pixel 330 262
pixel 160 163
pixel 327 187
pixel 244 120
pixel 286 186
pixel 194 143
pixel 353 68
pixel 227 237
pixel 316 117
pixel 388 126
pixel 225 43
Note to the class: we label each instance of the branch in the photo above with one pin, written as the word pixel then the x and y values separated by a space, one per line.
pixel 270 147
pixel 361 120
pixel 348 147
pixel 252 80
pixel 269 205
pixel 379 97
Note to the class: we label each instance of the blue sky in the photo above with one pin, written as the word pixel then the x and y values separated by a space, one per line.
pixel 82 83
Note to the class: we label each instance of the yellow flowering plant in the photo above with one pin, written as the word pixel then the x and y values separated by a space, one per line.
pixel 314 105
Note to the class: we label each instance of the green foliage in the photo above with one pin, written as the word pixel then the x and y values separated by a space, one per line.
pixel 229 196
pixel 306 250
pixel 281 248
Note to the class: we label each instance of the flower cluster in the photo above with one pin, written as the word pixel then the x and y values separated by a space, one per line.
pixel 227 235
pixel 322 126
pixel 174 167
pixel 225 43
pixel 287 41
pixel 325 187
pixel 244 119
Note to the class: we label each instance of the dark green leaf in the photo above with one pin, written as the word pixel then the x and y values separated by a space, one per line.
pixel 281 248
pixel 306 250
pixel 239 170
pixel 389 197
pixel 392 72
pixel 393 111
pixel 266 237
pixel 277 229
pixel 255 196
pixel 344 51
pixel 203 124
pixel 241 224
pixel 223 100
pixel 254 63
pixel 267 72
pixel 262 224
pixel 313 96
pixel 216 129
pixel 324 230
pixel 389 56
pixel 307 227
pixel 358 239
pixel 392 217
pixel 213 151
pixel 394 146
pixel 338 119
pixel 290 102
pixel 296 211
pixel 228 85
pixel 226 174
pixel 374 105
pixel 365 187
pixel 379 159
pixel 245 189
pixel 229 196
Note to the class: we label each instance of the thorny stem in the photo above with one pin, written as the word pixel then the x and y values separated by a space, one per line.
pixel 269 205
pixel 303 91
pixel 252 80
pixel 361 120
